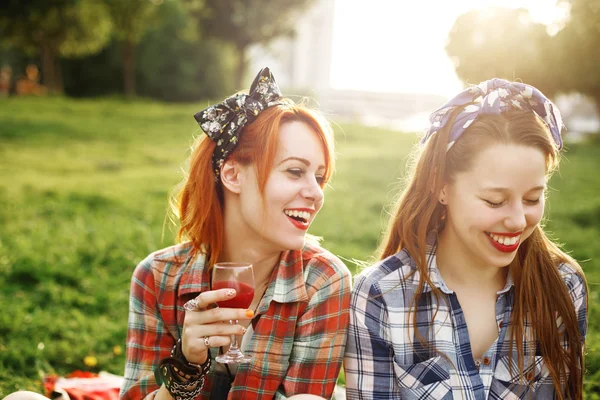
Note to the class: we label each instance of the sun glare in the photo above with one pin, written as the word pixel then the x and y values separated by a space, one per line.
pixel 398 46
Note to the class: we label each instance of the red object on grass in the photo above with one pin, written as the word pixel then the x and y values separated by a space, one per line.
pixel 85 385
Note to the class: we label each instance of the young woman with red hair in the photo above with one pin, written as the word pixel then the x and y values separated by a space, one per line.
pixel 470 299
pixel 254 186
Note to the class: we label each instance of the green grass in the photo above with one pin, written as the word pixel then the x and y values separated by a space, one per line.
pixel 83 194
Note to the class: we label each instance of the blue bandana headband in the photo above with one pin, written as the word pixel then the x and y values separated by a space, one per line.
pixel 224 122
pixel 494 97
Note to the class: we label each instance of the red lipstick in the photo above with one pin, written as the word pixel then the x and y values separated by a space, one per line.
pixel 298 224
pixel 503 247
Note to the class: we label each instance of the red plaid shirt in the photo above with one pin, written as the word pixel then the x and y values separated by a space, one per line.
pixel 299 330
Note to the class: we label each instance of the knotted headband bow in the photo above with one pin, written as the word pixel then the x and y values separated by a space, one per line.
pixel 224 122
pixel 494 97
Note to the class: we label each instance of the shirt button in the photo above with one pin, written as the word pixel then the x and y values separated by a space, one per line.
pixel 477 363
pixel 530 375
pixel 486 361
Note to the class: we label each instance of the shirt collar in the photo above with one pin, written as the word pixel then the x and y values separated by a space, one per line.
pixel 509 283
pixel 434 273
pixel 287 283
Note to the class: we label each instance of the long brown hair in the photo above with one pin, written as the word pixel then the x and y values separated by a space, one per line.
pixel 199 203
pixel 540 293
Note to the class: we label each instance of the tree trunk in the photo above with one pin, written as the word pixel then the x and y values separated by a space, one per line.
pixel 241 68
pixel 58 79
pixel 50 68
pixel 129 67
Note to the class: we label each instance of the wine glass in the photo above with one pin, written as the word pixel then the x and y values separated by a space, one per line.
pixel 238 276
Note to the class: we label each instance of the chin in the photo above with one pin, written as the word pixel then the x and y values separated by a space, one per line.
pixel 503 261
pixel 293 243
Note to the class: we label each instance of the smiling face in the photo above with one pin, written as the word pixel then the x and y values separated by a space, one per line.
pixel 293 193
pixel 495 205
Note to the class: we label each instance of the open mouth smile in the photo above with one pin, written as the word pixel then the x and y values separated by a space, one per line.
pixel 505 242
pixel 299 217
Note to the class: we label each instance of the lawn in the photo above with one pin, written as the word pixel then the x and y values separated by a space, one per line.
pixel 83 192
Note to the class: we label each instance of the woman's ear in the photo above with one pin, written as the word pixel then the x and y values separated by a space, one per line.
pixel 231 176
pixel 443 195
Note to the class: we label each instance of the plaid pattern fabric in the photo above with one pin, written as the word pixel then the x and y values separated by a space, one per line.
pixel 299 329
pixel 385 360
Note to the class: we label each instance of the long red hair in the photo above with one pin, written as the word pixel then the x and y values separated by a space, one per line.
pixel 199 203
pixel 540 293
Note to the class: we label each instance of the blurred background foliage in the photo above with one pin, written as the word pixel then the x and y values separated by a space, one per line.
pixel 556 59
pixel 151 48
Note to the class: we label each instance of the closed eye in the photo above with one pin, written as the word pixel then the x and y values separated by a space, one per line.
pixel 532 202
pixel 492 204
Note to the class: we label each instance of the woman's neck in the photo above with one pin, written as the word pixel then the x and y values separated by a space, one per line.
pixel 461 271
pixel 240 244
pixel 263 262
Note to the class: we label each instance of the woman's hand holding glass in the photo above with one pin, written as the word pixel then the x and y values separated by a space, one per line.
pixel 204 328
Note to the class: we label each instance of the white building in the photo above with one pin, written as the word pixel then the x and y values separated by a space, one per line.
pixel 302 67
pixel 301 63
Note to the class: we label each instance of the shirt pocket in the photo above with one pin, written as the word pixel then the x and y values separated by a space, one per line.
pixel 429 379
pixel 535 374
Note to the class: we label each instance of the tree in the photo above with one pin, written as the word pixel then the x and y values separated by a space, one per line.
pixel 247 22
pixel 131 19
pixel 172 62
pixel 178 65
pixel 579 42
pixel 503 43
pixel 54 28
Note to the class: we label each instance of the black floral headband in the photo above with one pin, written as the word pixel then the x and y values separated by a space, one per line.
pixel 224 122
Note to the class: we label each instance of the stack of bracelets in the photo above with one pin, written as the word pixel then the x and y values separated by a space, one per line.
pixel 183 380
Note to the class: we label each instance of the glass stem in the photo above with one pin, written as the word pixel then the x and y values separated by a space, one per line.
pixel 234 343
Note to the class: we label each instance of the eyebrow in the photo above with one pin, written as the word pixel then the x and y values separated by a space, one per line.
pixel 502 190
pixel 302 160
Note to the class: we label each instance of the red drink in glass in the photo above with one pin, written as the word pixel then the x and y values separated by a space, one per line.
pixel 240 277
pixel 244 294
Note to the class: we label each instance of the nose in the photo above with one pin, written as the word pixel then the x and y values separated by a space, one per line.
pixel 517 219
pixel 312 191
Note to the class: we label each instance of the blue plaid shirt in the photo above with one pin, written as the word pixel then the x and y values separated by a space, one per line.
pixel 385 360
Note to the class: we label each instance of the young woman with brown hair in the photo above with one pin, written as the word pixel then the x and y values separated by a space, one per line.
pixel 471 300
